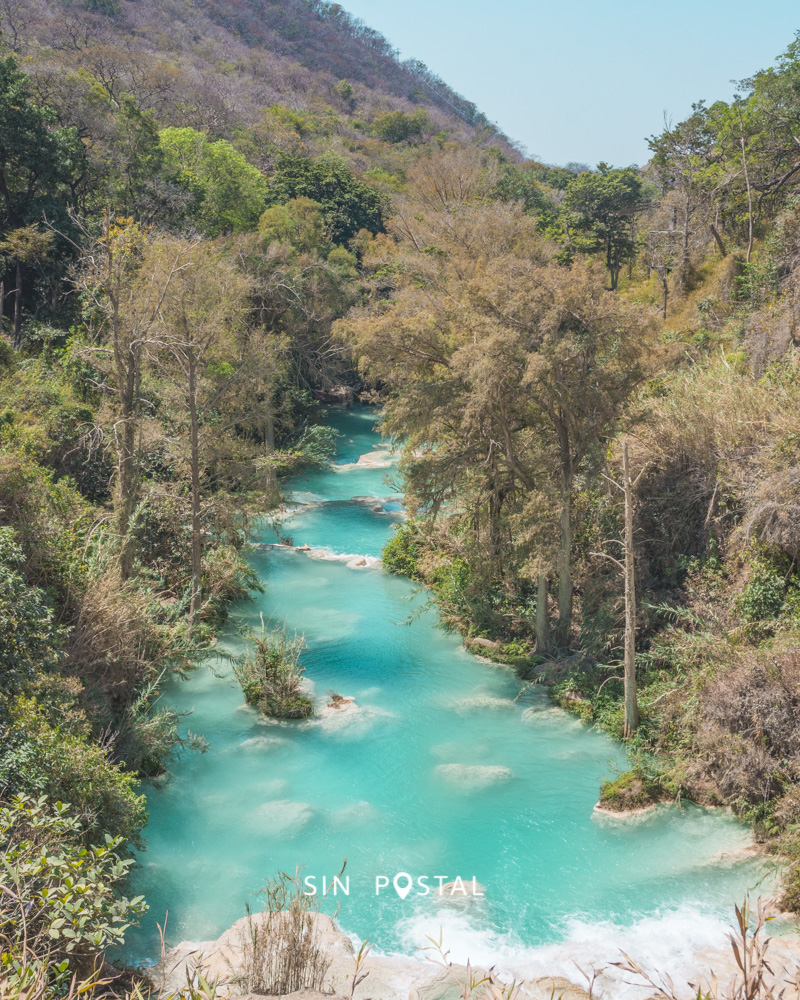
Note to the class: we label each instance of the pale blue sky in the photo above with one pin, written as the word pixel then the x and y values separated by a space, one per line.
pixel 586 80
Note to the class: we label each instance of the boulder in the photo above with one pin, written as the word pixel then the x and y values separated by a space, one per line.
pixel 484 643
pixel 474 777
pixel 554 988
pixel 339 703
pixel 463 890
pixel 297 995
pixel 448 984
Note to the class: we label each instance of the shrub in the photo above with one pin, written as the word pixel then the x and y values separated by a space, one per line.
pixel 633 789
pixel 38 758
pixel 401 553
pixel 59 898
pixel 396 126
pixel 29 638
pixel 271 675
pixel 763 598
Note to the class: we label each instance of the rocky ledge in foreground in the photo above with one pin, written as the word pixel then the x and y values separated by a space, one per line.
pixel 392 977
pixel 396 977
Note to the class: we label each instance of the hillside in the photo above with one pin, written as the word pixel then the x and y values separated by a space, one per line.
pixel 220 65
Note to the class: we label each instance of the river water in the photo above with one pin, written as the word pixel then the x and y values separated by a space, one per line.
pixel 439 772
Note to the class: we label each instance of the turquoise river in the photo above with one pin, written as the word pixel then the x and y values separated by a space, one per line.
pixel 440 772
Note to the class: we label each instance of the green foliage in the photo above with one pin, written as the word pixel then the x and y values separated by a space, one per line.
pixel 37 159
pixel 522 184
pixel 60 895
pixel 763 598
pixel 229 194
pixel 271 674
pixel 40 757
pixel 138 158
pixel 396 126
pixel 29 638
pixel 401 553
pixel 299 222
pixel 600 208
pixel 347 204
pixel 631 790
pixel 317 445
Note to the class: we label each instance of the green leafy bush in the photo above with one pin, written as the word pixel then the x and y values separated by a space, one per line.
pixel 29 638
pixel 401 553
pixel 632 790
pixel 762 600
pixel 396 126
pixel 40 758
pixel 271 674
pixel 59 899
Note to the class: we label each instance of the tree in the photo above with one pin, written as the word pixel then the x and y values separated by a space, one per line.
pixel 25 246
pixel 686 158
pixel 600 208
pixel 137 158
pixel 505 369
pixel 37 162
pixel 628 568
pixel 396 126
pixel 124 277
pixel 201 311
pixel 29 637
pixel 229 194
pixel 347 204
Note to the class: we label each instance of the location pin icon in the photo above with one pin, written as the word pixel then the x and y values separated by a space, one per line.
pixel 403 888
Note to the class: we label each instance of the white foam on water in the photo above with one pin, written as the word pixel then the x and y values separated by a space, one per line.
pixel 663 943
pixel 353 560
pixel 551 716
pixel 351 721
pixel 275 787
pixel 381 458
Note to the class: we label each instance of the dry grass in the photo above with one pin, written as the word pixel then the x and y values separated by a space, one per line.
pixel 283 948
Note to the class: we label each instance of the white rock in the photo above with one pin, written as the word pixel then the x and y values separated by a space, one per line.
pixel 474 777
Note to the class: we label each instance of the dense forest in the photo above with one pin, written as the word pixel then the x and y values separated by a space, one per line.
pixel 215 216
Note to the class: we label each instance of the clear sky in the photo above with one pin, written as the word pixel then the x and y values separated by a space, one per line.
pixel 586 80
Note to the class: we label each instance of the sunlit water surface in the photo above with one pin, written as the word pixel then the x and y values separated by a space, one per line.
pixel 378 788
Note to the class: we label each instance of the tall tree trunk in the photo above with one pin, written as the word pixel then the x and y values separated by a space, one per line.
pixel 2 303
pixel 719 241
pixel 542 617
pixel 128 381
pixel 564 627
pixel 18 308
pixel 683 270
pixel 630 257
pixel 631 701
pixel 666 293
pixel 747 182
pixel 270 479
pixel 195 472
